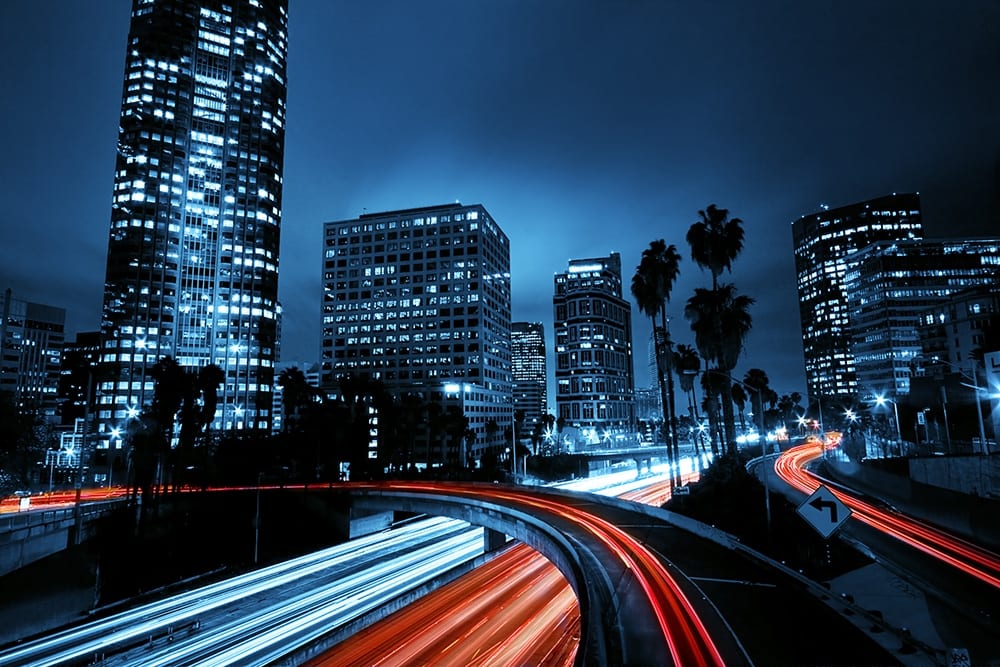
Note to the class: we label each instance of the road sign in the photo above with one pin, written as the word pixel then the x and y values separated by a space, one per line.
pixel 824 511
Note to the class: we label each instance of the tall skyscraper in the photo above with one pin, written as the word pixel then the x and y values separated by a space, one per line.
pixel 31 345
pixel 823 241
pixel 419 299
pixel 527 341
pixel 890 285
pixel 595 382
pixel 192 266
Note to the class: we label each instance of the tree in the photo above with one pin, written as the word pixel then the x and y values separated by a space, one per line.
pixel 715 241
pixel 651 287
pixel 687 364
pixel 720 320
pixel 757 379
pixel 739 397
pixel 296 394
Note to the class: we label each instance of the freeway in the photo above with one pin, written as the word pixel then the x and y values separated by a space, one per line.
pixel 211 625
pixel 354 577
pixel 955 551
pixel 518 609
pixel 957 579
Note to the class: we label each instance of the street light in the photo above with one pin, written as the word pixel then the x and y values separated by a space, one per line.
pixel 881 400
pixel 975 388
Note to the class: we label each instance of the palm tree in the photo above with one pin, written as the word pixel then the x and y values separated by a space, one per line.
pixel 716 240
pixel 720 320
pixel 295 394
pixel 739 397
pixel 651 286
pixel 757 379
pixel 687 365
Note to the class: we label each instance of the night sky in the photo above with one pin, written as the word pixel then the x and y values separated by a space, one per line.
pixel 584 127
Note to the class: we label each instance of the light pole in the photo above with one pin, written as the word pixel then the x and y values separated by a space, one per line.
pixel 975 388
pixel 881 400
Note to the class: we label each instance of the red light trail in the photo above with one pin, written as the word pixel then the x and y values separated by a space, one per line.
pixel 955 551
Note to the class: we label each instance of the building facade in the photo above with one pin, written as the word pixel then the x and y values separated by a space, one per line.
pixel 595 383
pixel 192 267
pixel 31 346
pixel 890 285
pixel 419 300
pixel 823 242
pixel 527 341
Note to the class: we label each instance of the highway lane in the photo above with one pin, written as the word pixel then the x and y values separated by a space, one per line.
pixel 360 558
pixel 773 618
pixel 958 578
pixel 972 559
pixel 515 610
pixel 196 619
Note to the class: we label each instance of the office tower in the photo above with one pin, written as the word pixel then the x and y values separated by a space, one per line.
pixel 79 357
pixel 527 341
pixel 419 299
pixel 823 241
pixel 31 345
pixel 957 335
pixel 890 285
pixel 593 335
pixel 954 329
pixel 192 267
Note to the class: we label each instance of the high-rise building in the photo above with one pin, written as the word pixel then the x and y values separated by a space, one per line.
pixel 31 345
pixel 527 342
pixel 953 330
pixel 890 285
pixel 823 242
pixel 192 267
pixel 79 358
pixel 419 299
pixel 595 381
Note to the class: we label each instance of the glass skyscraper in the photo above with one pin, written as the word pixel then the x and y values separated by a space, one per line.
pixel 527 340
pixel 192 267
pixel 823 243
pixel 890 287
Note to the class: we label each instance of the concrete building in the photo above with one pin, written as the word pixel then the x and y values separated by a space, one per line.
pixel 595 382
pixel 823 242
pixel 529 370
pixel 419 300
pixel 31 346
pixel 192 268
pixel 890 286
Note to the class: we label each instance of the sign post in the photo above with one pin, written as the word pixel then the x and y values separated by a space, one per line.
pixel 824 511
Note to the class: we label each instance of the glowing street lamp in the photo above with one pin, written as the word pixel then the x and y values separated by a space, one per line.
pixel 881 400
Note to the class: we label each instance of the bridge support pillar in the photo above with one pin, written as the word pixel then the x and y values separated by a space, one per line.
pixel 493 540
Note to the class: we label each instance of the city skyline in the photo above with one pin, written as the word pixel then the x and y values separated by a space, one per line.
pixel 584 133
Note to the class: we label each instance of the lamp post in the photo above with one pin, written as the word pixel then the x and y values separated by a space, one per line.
pixel 975 388
pixel 77 509
pixel 881 400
